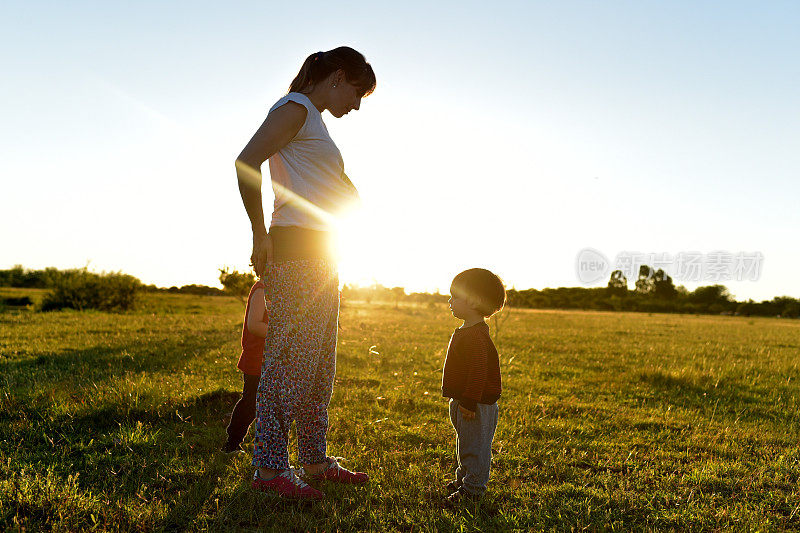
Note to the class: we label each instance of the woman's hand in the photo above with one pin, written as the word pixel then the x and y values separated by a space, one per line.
pixel 262 252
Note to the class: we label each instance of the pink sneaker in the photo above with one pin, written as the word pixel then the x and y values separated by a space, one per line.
pixel 287 485
pixel 336 473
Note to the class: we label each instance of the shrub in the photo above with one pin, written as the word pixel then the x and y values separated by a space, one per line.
pixel 80 289
pixel 236 283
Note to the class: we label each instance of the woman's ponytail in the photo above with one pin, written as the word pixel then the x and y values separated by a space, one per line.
pixel 306 77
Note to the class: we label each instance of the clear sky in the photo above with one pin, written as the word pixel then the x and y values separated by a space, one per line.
pixel 504 135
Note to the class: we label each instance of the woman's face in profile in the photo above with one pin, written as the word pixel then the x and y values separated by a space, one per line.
pixel 344 98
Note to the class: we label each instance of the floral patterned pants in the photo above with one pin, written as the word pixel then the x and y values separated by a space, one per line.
pixel 299 362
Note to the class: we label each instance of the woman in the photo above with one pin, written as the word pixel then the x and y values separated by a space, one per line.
pixel 296 258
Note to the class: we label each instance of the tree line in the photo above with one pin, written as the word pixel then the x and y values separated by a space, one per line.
pixel 653 291
pixel 18 276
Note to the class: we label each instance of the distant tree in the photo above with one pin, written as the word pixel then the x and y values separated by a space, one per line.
pixel 12 277
pixel 710 294
pixel 399 293
pixel 663 288
pixel 645 284
pixel 22 277
pixel 791 310
pixel 617 284
pixel 784 306
pixel 712 299
pixel 747 308
pixel 236 283
pixel 200 290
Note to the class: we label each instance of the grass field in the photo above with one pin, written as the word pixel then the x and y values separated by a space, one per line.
pixel 608 421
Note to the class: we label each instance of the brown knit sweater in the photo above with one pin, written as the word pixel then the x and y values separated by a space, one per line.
pixel 472 367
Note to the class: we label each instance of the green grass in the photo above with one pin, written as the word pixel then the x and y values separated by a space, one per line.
pixel 608 421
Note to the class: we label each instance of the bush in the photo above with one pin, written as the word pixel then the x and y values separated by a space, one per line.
pixel 236 283
pixel 80 289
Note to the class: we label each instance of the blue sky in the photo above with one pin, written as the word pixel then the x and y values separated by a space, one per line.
pixel 509 135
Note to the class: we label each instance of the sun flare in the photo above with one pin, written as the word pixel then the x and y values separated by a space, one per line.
pixel 359 248
pixel 374 248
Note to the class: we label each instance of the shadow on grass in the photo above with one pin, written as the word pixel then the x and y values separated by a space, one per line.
pixel 725 400
pixel 101 363
pixel 127 453
pixel 248 509
pixel 192 501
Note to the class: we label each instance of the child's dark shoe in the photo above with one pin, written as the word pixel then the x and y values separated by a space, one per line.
pixel 338 474
pixel 460 498
pixel 453 486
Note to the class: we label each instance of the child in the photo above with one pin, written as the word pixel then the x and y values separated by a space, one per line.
pixel 471 379
pixel 254 333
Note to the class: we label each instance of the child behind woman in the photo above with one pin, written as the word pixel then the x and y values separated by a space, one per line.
pixel 254 332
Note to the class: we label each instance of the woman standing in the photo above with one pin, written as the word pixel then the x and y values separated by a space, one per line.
pixel 296 257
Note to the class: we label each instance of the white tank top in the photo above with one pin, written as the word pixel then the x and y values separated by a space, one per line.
pixel 308 174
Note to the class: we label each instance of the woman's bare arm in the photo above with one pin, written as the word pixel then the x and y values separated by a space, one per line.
pixel 280 127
